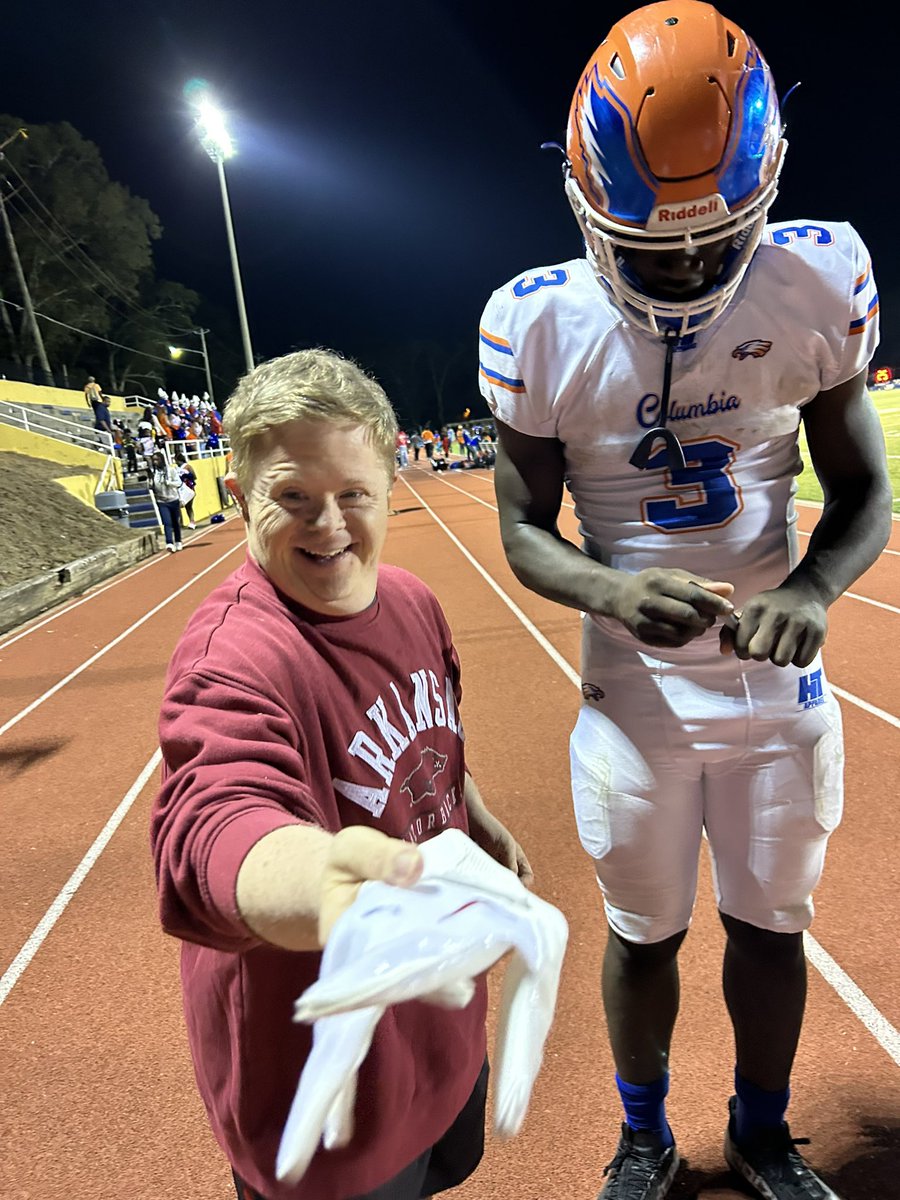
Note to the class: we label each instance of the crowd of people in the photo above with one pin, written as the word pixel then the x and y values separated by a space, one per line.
pixel 451 448
pixel 156 446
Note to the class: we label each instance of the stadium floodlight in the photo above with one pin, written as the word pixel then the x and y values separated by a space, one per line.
pixel 216 141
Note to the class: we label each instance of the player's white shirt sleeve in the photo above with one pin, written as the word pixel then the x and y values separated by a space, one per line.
pixel 532 335
pixel 836 292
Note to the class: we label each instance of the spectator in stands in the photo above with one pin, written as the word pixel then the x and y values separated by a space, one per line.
pixel 165 483
pixel 125 444
pixel 102 419
pixel 188 486
pixel 92 392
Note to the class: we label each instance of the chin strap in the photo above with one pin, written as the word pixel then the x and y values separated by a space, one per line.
pixel 642 451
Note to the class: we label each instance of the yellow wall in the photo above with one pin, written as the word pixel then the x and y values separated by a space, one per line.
pixel 207 500
pixel 207 470
pixel 32 393
pixel 82 487
pixel 37 446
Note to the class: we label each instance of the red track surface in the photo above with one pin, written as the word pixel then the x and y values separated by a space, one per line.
pixel 97 1095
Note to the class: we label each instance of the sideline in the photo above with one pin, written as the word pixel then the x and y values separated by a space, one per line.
pixel 98 590
pixel 109 645
pixel 14 972
pixel 849 992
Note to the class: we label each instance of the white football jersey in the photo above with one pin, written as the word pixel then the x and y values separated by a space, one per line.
pixel 558 360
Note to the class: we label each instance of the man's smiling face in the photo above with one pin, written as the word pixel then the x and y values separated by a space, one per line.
pixel 316 513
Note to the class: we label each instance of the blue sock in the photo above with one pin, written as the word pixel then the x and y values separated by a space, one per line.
pixel 645 1106
pixel 756 1108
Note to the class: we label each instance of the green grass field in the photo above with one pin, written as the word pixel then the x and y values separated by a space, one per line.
pixel 888 405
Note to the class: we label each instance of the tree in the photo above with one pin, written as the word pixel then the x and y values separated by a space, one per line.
pixel 84 241
pixel 426 380
pixel 167 308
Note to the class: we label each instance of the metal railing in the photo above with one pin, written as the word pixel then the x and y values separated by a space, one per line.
pixel 73 433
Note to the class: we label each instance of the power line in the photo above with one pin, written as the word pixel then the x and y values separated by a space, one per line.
pixel 69 243
pixel 98 338
pixel 114 286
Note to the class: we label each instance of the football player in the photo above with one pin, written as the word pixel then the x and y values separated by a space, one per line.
pixel 663 378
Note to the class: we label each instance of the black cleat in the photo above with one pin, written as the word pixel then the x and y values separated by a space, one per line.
pixel 643 1169
pixel 771 1165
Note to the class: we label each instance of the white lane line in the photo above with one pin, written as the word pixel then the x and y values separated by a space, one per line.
pixel 76 879
pixel 866 706
pixel 850 595
pixel 877 603
pixel 803 533
pixel 110 645
pixel 571 675
pixel 64 609
pixel 855 999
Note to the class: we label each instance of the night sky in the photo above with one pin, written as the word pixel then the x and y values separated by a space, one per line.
pixel 389 174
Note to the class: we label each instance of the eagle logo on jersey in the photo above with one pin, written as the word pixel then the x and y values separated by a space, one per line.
pixel 590 691
pixel 755 348
pixel 420 782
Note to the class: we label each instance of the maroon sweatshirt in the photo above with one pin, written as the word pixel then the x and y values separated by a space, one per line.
pixel 274 715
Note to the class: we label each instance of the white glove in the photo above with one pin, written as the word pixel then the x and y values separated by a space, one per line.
pixel 426 942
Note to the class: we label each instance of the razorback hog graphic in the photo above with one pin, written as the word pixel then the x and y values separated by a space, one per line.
pixel 420 782
pixel 755 348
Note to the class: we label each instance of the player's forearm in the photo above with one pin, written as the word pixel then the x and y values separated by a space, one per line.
pixel 556 569
pixel 850 535
pixel 279 886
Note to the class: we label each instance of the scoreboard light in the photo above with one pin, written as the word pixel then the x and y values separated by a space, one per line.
pixel 883 375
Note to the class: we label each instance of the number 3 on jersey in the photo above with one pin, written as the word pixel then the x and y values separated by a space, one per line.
pixel 702 496
pixel 529 284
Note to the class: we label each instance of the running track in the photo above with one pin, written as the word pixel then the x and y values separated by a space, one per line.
pixel 97 1097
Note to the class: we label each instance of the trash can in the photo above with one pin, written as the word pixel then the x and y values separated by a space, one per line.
pixel 114 505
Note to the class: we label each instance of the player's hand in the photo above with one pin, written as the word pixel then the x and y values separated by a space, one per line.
pixel 357 854
pixel 670 607
pixel 784 625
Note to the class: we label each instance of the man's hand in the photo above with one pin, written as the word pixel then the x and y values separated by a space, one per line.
pixel 670 607
pixel 357 854
pixel 495 839
pixel 784 625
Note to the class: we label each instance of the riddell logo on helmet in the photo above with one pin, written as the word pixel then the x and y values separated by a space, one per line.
pixel 667 215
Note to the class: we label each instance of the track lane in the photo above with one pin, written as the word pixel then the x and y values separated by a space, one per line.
pixel 135 1112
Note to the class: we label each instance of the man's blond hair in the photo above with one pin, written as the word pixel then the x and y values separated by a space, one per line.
pixel 319 385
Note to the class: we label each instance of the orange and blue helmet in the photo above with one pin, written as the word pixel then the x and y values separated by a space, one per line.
pixel 674 141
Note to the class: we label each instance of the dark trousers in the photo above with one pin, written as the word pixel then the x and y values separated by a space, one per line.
pixel 446 1165
pixel 170 512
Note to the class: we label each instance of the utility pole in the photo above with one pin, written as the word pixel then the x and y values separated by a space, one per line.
pixel 209 386
pixel 26 295
pixel 20 274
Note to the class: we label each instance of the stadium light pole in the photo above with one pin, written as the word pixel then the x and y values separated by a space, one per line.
pixel 215 140
pixel 177 351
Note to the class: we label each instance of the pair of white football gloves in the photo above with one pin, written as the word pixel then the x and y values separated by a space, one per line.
pixel 427 942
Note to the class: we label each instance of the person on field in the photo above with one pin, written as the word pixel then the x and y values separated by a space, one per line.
pixel 311 737
pixel 165 484
pixel 663 379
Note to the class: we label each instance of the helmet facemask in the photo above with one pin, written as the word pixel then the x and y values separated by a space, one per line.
pixel 675 142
